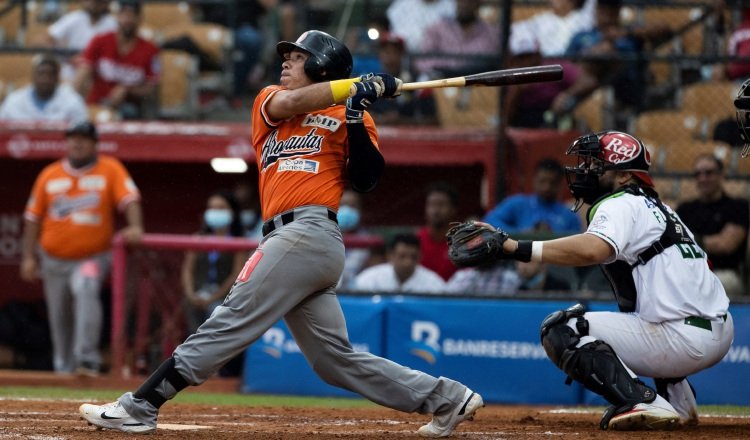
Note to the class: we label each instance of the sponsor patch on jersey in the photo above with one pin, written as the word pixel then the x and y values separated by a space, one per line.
pixel 321 121
pixel 86 218
pixel 274 149
pixel 304 165
pixel 92 183
pixel 62 184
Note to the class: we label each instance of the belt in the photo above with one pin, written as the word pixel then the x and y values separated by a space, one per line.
pixel 287 218
pixel 703 323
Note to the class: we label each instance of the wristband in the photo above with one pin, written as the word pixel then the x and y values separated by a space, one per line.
pixel 536 250
pixel 340 88
pixel 524 250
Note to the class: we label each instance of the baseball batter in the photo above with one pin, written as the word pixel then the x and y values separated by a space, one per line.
pixel 674 321
pixel 306 145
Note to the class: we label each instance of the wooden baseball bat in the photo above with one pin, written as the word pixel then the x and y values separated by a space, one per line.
pixel 505 77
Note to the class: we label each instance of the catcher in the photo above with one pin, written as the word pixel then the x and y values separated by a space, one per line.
pixel 674 318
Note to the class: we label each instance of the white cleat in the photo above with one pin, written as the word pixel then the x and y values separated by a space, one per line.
pixel 443 425
pixel 644 416
pixel 113 416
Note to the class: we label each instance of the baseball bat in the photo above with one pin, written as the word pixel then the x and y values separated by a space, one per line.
pixel 505 77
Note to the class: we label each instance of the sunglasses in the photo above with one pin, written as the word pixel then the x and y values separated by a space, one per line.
pixel 698 173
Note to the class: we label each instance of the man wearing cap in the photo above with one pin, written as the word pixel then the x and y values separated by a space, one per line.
pixel 45 99
pixel 68 227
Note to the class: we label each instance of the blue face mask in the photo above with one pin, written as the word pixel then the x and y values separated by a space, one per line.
pixel 217 218
pixel 348 218
pixel 248 217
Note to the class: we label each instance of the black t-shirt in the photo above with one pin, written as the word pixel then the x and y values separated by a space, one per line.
pixel 710 218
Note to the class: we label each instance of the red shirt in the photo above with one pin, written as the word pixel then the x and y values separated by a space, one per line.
pixel 435 254
pixel 139 66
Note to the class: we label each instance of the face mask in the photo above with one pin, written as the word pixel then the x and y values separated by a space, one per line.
pixel 248 217
pixel 217 218
pixel 348 218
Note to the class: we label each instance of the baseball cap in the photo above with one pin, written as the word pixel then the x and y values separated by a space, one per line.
pixel 625 153
pixel 83 128
pixel 387 38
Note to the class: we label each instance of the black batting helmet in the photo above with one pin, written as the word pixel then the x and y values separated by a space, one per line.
pixel 329 58
pixel 83 128
pixel 742 105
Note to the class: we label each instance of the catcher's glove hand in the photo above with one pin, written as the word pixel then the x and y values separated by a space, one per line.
pixel 473 244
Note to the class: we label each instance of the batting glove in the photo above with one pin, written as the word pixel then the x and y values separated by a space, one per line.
pixel 389 83
pixel 367 93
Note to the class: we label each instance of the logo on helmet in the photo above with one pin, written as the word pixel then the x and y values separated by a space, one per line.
pixel 621 148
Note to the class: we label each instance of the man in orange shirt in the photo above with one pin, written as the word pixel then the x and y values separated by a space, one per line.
pixel 69 220
pixel 306 146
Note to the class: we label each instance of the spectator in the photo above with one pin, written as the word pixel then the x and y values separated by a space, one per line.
pixel 410 18
pixel 737 46
pixel 250 217
pixel 402 272
pixel 493 279
pixel 45 99
pixel 357 259
pixel 535 276
pixel 208 276
pixel 441 206
pixel 70 215
pixel 719 222
pixel 74 30
pixel 119 69
pixel 610 37
pixel 467 43
pixel 409 107
pixel 539 211
pixel 552 30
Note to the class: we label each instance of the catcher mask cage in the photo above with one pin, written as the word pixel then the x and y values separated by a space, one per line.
pixel 600 152
pixel 742 104
pixel 329 58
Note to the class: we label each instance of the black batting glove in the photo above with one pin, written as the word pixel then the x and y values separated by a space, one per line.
pixel 391 85
pixel 367 93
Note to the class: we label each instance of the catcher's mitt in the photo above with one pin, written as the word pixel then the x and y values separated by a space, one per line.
pixel 472 244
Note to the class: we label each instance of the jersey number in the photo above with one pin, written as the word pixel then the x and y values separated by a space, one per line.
pixel 689 251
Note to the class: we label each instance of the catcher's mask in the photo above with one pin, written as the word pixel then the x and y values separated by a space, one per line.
pixel 742 104
pixel 600 152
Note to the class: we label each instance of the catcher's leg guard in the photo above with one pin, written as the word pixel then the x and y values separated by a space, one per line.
pixel 162 385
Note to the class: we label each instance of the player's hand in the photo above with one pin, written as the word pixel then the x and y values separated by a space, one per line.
pixel 132 234
pixel 29 269
pixel 390 84
pixel 367 93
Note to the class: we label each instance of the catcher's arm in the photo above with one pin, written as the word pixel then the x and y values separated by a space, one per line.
pixel 575 250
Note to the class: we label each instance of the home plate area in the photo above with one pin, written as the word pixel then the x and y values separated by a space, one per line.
pixel 59 420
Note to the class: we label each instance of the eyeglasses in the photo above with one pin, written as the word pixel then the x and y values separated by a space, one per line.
pixel 698 173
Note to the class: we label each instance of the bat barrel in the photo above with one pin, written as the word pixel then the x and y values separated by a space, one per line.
pixel 521 75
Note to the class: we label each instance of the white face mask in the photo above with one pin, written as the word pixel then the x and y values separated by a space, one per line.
pixel 248 217
pixel 217 218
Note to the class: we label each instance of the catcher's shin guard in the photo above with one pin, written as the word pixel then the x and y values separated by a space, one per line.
pixel 162 385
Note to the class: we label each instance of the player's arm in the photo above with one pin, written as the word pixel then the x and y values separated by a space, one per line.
pixel 29 266
pixel 83 78
pixel 366 164
pixel 133 232
pixel 287 103
pixel 576 250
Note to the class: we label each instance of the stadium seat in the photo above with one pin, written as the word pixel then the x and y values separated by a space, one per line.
pixel 162 15
pixel 177 88
pixel 590 113
pixel 216 42
pixel 467 107
pixel 690 42
pixel 739 188
pixel 668 189
pixel 680 155
pixel 668 126
pixel 710 98
pixel 15 69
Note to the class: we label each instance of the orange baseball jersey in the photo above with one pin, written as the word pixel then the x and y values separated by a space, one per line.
pixel 301 160
pixel 76 207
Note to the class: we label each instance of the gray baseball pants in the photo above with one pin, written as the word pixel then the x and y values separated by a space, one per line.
pixel 74 309
pixel 295 278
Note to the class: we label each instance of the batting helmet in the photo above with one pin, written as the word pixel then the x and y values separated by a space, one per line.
pixel 329 58
pixel 84 128
pixel 600 152
pixel 742 105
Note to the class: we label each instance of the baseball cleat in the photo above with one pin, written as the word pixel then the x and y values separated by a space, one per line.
pixel 113 416
pixel 443 425
pixel 644 416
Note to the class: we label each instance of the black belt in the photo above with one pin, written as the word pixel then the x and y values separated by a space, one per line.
pixel 701 322
pixel 287 218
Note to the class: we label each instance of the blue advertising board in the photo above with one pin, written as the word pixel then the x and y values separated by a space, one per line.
pixel 275 364
pixel 492 346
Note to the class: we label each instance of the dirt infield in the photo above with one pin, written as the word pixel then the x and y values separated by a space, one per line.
pixel 58 420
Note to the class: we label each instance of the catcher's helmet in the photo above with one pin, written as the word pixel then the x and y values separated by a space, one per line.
pixel 742 104
pixel 329 58
pixel 601 152
pixel 84 128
